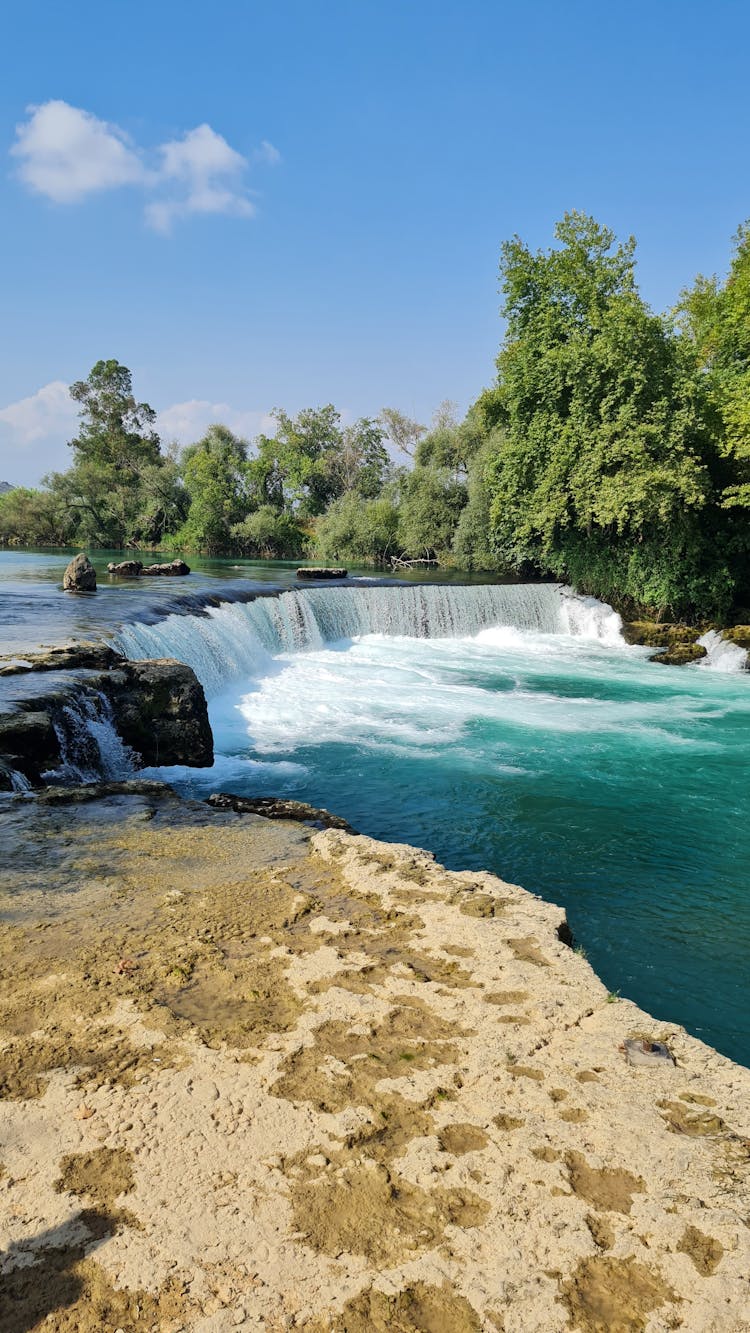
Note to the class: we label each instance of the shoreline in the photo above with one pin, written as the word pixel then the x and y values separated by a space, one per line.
pixel 389 1096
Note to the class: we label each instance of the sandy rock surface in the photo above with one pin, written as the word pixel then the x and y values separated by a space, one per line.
pixel 254 1076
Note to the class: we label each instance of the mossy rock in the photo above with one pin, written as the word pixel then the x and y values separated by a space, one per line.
pixel 739 634
pixel 680 654
pixel 652 634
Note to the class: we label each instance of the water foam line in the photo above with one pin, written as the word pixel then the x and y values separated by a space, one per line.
pixel 236 640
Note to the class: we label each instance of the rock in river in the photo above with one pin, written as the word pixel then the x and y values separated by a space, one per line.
pixel 80 575
pixel 159 709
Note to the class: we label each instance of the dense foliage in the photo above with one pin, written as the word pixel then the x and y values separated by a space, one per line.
pixel 612 450
pixel 614 463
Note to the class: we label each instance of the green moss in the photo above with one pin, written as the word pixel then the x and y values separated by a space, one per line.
pixel 655 635
pixel 739 634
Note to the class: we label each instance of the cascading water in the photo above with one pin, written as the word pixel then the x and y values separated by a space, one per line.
pixel 240 639
pixel 722 654
pixel 18 782
pixel 90 747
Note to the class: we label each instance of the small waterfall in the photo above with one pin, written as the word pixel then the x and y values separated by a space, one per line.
pixel 587 618
pixel 722 654
pixel 17 780
pixel 236 639
pixel 90 748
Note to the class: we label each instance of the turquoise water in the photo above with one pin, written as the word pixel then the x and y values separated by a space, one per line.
pixel 502 728
pixel 565 763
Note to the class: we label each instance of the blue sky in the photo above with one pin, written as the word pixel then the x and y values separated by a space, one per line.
pixel 255 205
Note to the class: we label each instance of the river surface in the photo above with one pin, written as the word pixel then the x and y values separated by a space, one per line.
pixel 502 727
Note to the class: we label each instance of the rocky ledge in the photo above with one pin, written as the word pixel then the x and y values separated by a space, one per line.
pixel 157 708
pixel 134 568
pixel 678 644
pixel 259 1076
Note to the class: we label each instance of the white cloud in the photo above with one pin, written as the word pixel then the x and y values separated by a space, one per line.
pixel 66 154
pixel 267 153
pixel 187 422
pixel 34 431
pixel 210 174
pixel 48 410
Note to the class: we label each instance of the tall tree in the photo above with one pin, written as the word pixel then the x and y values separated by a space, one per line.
pixel 716 319
pixel 116 458
pixel 214 473
pixel 114 429
pixel 606 468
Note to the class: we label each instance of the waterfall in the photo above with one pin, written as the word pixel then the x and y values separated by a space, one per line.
pixel 240 639
pixel 90 748
pixel 722 654
pixel 588 618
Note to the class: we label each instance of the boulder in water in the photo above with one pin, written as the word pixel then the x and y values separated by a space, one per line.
pixel 654 634
pixel 126 569
pixel 739 634
pixel 160 710
pixel 80 575
pixel 173 567
pixel 681 654
pixel 321 573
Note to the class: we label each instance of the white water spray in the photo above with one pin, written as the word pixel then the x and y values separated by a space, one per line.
pixel 90 747
pixel 721 654
pixel 237 640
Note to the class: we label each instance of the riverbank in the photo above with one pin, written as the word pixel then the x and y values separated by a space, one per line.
pixel 260 1075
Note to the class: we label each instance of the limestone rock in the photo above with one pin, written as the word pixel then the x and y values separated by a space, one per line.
pixel 172 567
pixel 654 634
pixel 69 657
pixel 160 710
pixel 739 634
pixel 28 743
pixel 126 568
pixel 80 575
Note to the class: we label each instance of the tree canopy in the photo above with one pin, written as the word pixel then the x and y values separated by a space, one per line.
pixel 607 468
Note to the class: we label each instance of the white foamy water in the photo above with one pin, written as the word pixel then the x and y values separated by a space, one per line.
pixel 721 654
pixel 393 693
pixel 240 640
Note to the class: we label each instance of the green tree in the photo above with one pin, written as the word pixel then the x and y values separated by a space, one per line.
pixel 431 501
pixel 716 320
pixel 270 535
pixel 605 469
pixel 472 541
pixel 403 432
pixel 358 529
pixel 450 444
pixel 294 466
pixel 214 475
pixel 115 430
pixel 118 489
pixel 361 462
pixel 31 517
